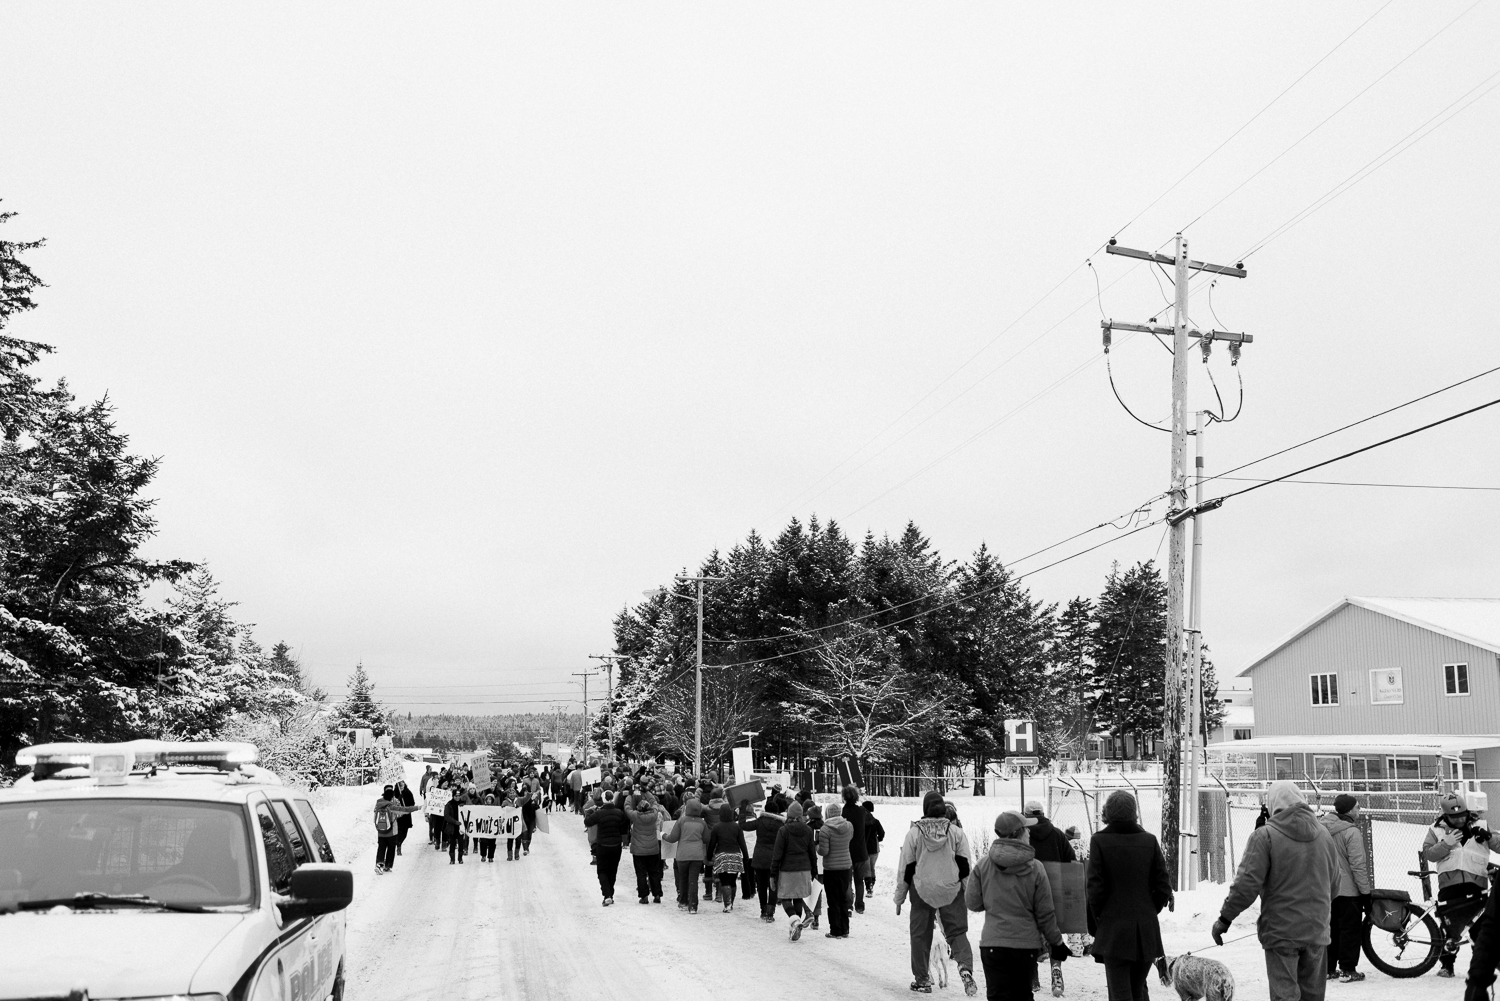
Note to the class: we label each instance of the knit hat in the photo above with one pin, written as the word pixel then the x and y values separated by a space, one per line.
pixel 932 804
pixel 1010 824
pixel 814 812
pixel 1120 808
pixel 1283 795
pixel 794 812
pixel 388 791
pixel 1344 802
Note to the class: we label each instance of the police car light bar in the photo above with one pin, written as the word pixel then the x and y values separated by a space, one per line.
pixel 223 755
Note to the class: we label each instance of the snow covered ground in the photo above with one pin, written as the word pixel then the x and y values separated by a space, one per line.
pixel 534 929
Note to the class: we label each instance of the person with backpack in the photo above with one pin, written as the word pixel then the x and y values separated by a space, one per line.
pixel 934 863
pixel 388 811
pixel 1010 886
pixel 794 866
pixel 835 839
pixel 1350 899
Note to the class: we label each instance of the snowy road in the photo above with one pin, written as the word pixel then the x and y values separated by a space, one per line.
pixel 535 930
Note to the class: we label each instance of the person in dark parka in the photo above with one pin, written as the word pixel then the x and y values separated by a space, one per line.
pixel 403 822
pixel 1050 844
pixel 1127 886
pixel 765 828
pixel 859 852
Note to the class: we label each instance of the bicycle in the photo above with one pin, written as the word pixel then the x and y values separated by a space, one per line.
pixel 1403 939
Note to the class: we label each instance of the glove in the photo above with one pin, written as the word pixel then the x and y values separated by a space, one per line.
pixel 1482 835
pixel 1365 903
pixel 1060 952
pixel 898 910
pixel 1220 928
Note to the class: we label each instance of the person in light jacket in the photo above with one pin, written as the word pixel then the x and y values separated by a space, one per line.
pixel 1011 887
pixel 1350 899
pixel 646 820
pixel 835 840
pixel 1126 885
pixel 1293 867
pixel 1458 844
pixel 933 865
pixel 690 835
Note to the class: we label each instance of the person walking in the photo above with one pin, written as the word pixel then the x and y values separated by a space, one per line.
pixel 765 827
pixel 1050 845
pixel 1351 897
pixel 934 862
pixel 1458 844
pixel 527 801
pixel 726 849
pixel 1126 885
pixel 874 835
pixel 645 846
pixel 575 786
pixel 1485 958
pixel 486 845
pixel 1011 887
pixel 453 834
pixel 403 820
pixel 1293 867
pixel 835 839
pixel 612 827
pixel 858 851
pixel 794 866
pixel 690 834
pixel 388 811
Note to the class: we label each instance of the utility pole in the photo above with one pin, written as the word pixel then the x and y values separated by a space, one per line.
pixel 585 675
pixel 698 679
pixel 1178 855
pixel 608 659
pixel 1195 666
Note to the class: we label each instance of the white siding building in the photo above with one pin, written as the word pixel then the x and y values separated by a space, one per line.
pixel 1375 689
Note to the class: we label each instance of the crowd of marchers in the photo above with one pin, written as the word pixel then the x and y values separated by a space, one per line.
pixel 1310 874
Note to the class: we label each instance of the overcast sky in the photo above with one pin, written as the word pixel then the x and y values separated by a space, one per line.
pixel 458 326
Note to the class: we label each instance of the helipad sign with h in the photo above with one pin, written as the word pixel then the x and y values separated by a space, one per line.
pixel 1020 736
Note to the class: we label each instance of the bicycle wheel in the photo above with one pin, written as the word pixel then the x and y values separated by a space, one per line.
pixel 1410 952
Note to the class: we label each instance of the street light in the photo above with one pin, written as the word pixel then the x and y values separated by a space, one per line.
pixel 657 592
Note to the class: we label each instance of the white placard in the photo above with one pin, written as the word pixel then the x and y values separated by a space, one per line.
pixel 490 821
pixel 1385 687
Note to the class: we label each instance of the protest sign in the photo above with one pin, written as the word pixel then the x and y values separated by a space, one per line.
pixel 490 821
pixel 752 790
pixel 591 776
pixel 543 826
pixel 435 801
pixel 1066 880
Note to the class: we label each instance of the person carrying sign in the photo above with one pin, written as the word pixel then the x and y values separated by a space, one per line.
pixel 458 842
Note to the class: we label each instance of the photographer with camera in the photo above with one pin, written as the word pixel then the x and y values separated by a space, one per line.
pixel 1458 845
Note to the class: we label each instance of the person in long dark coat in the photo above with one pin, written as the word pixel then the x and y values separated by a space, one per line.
pixel 403 822
pixel 1127 886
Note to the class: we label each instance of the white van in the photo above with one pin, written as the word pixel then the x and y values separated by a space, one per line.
pixel 152 870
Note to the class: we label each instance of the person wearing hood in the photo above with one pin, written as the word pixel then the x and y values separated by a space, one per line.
pixel 858 851
pixel 457 841
pixel 726 848
pixel 690 835
pixel 486 845
pixel 1010 886
pixel 388 813
pixel 1050 844
pixel 403 820
pixel 612 828
pixel 835 840
pixel 711 809
pixel 934 862
pixel 645 845
pixel 1458 844
pixel 1292 865
pixel 765 827
pixel 1126 886
pixel 794 866
pixel 1346 919
pixel 526 799
pixel 874 835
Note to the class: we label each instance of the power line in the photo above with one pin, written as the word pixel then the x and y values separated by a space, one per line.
pixel 1334 114
pixel 1352 424
pixel 1352 483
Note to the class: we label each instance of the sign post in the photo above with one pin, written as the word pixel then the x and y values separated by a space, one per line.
pixel 1020 742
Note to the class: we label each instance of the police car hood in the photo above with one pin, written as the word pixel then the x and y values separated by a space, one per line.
pixel 111 954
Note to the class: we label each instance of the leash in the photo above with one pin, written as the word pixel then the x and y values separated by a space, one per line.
pixel 1227 941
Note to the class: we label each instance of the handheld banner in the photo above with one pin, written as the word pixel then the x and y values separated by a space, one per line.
pixel 490 821
pixel 1066 880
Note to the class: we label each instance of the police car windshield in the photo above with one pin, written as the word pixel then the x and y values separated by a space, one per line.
pixel 175 852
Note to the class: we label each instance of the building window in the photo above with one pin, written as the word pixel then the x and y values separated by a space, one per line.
pixel 1325 689
pixel 1328 767
pixel 1283 768
pixel 1242 734
pixel 1460 770
pixel 1456 679
pixel 1405 769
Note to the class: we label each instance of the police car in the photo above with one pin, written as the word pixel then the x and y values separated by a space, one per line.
pixel 152 870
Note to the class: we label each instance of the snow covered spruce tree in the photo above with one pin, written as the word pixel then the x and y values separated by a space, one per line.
pixel 358 709
pixel 1129 652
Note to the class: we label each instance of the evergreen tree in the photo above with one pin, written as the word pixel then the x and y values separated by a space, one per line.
pixel 285 664
pixel 1073 678
pixel 359 709
pixel 1130 643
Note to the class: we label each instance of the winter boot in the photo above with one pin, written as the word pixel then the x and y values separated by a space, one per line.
pixel 1057 979
pixel 971 989
pixel 922 986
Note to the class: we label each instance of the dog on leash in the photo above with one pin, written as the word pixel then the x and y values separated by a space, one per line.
pixel 1195 977
pixel 938 963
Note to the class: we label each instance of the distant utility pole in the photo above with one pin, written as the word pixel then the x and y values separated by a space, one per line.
pixel 585 675
pixel 1179 855
pixel 698 711
pixel 608 659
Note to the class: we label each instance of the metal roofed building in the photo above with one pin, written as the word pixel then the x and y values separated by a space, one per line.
pixel 1380 689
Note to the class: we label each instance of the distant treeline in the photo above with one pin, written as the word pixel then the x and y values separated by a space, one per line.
pixel 466 733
